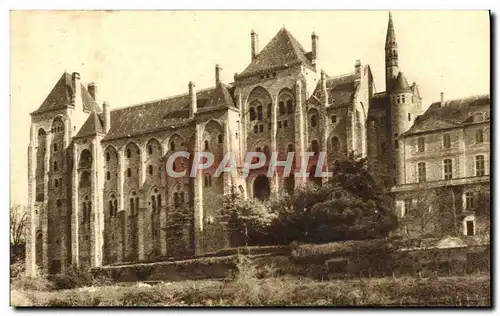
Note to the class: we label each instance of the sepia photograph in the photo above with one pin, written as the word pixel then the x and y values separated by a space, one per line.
pixel 250 158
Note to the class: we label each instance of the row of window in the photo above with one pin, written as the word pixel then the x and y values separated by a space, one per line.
pixel 469 203
pixel 447 140
pixel 57 129
pixel 220 140
pixel 448 169
pixel 57 182
pixel 256 113
pixel 401 99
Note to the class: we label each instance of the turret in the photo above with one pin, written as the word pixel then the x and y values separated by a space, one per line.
pixel 192 94
pixel 255 44
pixel 107 116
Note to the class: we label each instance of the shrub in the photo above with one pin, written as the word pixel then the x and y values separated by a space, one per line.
pixel 74 277
pixel 38 283
pixel 17 269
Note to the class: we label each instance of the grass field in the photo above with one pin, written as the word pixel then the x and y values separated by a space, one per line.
pixel 284 290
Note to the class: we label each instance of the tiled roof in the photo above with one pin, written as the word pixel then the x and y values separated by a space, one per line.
pixel 379 101
pixel 60 97
pixel 452 114
pixel 93 125
pixel 282 50
pixel 165 113
pixel 341 89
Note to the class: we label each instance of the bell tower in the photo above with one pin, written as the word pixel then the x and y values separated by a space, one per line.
pixel 391 56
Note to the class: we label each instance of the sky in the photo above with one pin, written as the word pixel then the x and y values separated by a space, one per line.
pixel 137 56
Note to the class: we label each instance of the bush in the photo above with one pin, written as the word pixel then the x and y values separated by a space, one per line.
pixel 74 277
pixel 17 269
pixel 38 283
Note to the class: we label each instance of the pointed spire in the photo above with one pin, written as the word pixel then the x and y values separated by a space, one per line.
pixel 391 34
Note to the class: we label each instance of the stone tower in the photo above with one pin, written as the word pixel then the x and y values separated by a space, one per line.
pixel 391 55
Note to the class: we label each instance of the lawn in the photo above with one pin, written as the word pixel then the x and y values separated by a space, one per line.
pixel 246 290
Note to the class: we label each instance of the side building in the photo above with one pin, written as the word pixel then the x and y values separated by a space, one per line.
pixel 444 187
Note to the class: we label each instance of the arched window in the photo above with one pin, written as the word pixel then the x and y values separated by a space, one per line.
pixel 282 108
pixel 108 157
pixel 150 149
pixel 55 147
pixel 176 199
pixel 334 119
pixel 108 175
pixel 110 208
pixel 314 121
pixel 259 112
pixel 220 138
pixel 129 172
pixel 289 106
pixel 153 203
pixel 252 114
pixel 150 169
pixel 208 180
pixel 159 202
pixel 206 145
pixel 132 206
pixel 269 110
pixel 335 144
pixel 315 147
pixel 129 153
pixel 56 183
pixel 172 146
pixel 267 152
pixel 55 165
pixel 84 212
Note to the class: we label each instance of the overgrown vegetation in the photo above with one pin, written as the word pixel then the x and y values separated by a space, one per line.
pixel 254 286
pixel 351 206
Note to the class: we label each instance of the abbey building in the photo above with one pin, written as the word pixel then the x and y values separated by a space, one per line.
pixel 99 192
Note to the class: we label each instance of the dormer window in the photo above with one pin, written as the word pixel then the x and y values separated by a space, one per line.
pixel 478 117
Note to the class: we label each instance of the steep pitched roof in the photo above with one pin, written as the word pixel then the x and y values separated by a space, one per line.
pixel 390 37
pixel 340 89
pixel 60 96
pixel 401 84
pixel 165 113
pixel 282 50
pixel 92 126
pixel 453 113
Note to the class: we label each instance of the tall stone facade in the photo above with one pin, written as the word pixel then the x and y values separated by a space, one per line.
pixel 99 192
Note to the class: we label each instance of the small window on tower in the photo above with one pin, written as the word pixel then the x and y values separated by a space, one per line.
pixel 402 99
pixel 55 147
pixel 409 117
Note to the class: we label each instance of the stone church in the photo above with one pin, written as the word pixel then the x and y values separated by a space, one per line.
pixel 98 189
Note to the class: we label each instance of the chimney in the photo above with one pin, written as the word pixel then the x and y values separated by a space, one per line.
pixel 442 98
pixel 314 44
pixel 76 98
pixel 92 89
pixel 192 94
pixel 107 116
pixel 357 67
pixel 217 74
pixel 255 44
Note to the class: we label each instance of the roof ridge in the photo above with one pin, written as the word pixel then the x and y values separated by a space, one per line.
pixel 161 99
pixel 340 76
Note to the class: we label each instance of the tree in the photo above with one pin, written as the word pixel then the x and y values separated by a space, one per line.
pixel 179 228
pixel 433 211
pixel 351 205
pixel 248 219
pixel 18 223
